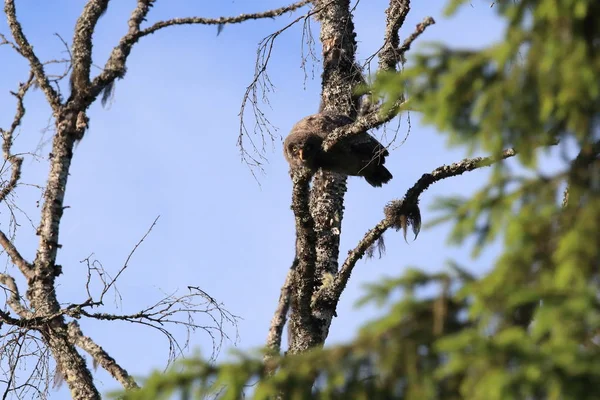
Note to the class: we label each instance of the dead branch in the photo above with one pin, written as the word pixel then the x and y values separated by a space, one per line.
pixel 115 66
pixel 222 20
pixel 16 163
pixel 126 264
pixel 82 46
pixel 100 356
pixel 280 317
pixel 261 79
pixel 17 346
pixel 397 214
pixel 418 31
pixel 395 16
pixel 173 310
pixel 389 56
pixel 14 299
pixel 26 50
pixel 303 275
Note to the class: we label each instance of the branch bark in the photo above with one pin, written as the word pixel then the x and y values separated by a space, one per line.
pixel 100 356
pixel 26 50
pixel 397 212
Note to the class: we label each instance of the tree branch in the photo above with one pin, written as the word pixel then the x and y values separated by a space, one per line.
pixel 222 20
pixel 303 275
pixel 397 213
pixel 395 16
pixel 100 356
pixel 418 31
pixel 115 66
pixel 279 318
pixel 26 50
pixel 15 256
pixel 81 59
pixel 16 163
pixel 389 56
pixel 14 300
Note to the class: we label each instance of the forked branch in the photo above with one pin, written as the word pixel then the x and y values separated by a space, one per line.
pixel 26 50
pixel 399 213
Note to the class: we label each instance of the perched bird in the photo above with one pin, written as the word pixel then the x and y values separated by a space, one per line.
pixel 356 155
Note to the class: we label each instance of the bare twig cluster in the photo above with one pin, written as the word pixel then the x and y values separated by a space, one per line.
pixel 315 283
pixel 37 324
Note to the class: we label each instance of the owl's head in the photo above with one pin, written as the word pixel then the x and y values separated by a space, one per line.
pixel 302 149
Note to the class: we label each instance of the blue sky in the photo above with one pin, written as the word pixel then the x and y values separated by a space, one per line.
pixel 166 146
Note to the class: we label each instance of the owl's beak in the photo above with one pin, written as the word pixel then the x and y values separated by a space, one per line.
pixel 301 154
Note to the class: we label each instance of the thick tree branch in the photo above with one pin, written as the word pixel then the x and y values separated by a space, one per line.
pixel 100 356
pixel 26 50
pixel 303 275
pixel 389 57
pixel 81 53
pixel 14 300
pixel 397 212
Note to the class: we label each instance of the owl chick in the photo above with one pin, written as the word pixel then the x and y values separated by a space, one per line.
pixel 356 155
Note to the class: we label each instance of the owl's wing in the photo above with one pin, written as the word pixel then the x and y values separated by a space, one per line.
pixel 366 145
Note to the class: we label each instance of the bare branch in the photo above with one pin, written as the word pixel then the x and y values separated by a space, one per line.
pixel 16 163
pixel 280 316
pixel 14 300
pixel 126 264
pixel 418 31
pixel 261 79
pixel 81 60
pixel 172 310
pixel 396 217
pixel 303 275
pixel 222 20
pixel 395 16
pixel 389 56
pixel 100 356
pixel 115 66
pixel 26 50
pixel 16 257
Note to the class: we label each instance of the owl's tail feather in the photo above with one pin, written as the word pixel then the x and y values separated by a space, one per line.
pixel 378 176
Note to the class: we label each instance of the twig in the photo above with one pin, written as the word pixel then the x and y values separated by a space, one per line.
pixel 126 264
pixel 222 20
pixel 115 66
pixel 263 55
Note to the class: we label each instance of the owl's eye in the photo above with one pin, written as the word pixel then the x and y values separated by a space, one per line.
pixel 308 147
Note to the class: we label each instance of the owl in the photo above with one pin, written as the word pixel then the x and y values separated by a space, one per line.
pixel 356 155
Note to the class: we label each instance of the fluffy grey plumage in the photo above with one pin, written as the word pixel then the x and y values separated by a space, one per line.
pixel 356 155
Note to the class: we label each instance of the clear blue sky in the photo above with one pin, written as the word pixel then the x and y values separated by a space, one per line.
pixel 167 146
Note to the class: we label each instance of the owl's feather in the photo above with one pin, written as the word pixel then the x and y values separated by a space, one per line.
pixel 357 155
